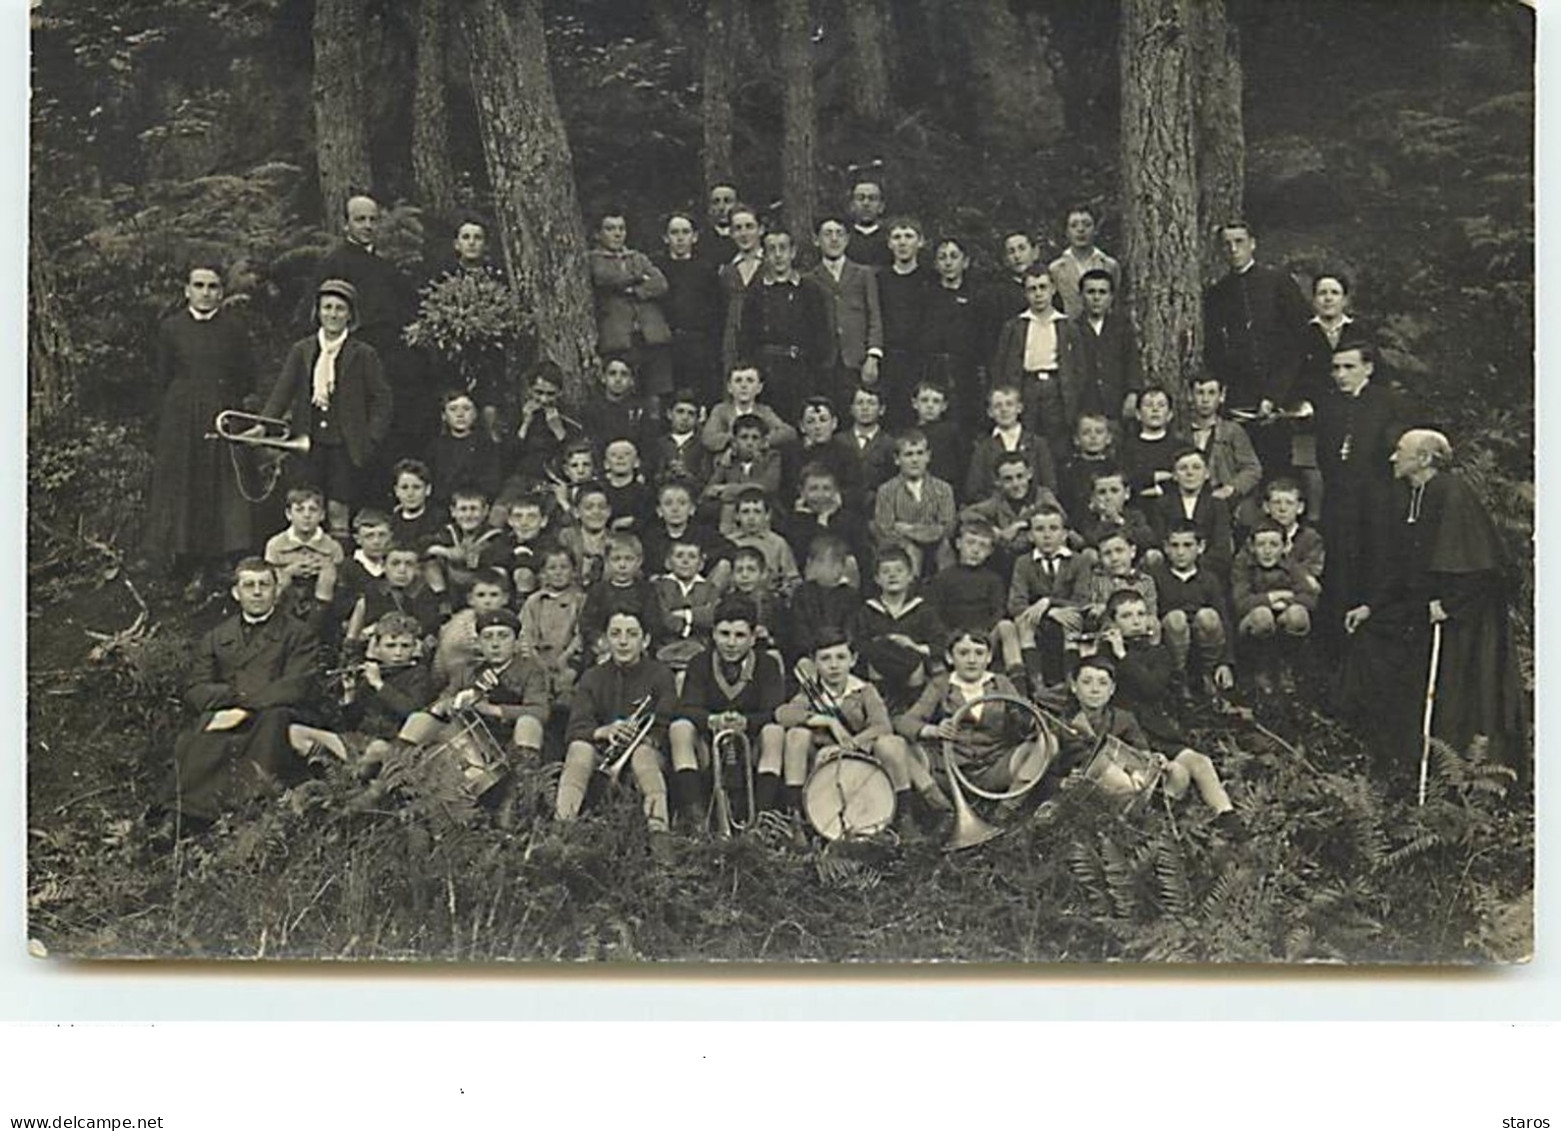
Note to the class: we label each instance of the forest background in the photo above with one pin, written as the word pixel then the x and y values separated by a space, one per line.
pixel 1393 140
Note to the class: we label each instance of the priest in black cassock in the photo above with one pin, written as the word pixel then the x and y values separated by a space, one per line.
pixel 1442 564
pixel 197 519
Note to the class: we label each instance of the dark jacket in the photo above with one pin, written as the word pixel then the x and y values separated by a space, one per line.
pixel 360 405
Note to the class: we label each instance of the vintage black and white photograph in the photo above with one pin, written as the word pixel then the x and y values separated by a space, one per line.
pixel 787 482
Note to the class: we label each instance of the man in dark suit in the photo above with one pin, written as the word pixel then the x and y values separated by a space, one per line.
pixel 869 241
pixel 855 321
pixel 1254 324
pixel 253 676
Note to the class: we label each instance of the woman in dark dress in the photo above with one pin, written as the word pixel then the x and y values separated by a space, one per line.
pixel 333 390
pixel 198 521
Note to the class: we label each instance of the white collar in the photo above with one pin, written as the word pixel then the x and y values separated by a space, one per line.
pixel 314 539
pixel 971 690
pixel 1184 575
pixel 203 315
pixel 1051 316
pixel 254 621
pixel 876 604
pixel 372 568
pixel 1041 556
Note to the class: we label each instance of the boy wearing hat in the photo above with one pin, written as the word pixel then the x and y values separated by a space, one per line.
pixel 332 390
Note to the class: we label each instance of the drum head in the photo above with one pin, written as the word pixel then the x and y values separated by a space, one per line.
pixel 848 795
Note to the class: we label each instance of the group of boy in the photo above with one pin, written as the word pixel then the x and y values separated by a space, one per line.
pixel 616 589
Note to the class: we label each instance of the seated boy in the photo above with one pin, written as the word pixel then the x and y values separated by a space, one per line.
pixel 372 537
pixel 983 745
pixel 463 455
pixel 913 510
pixel 1274 600
pixel 615 411
pixel 897 633
pixel 307 560
pixel 631 500
pixel 526 517
pixel 468 547
pixel 1109 512
pixel 751 582
pixel 1145 677
pixel 550 622
pixel 601 727
pixel 1093 450
pixel 1114 572
pixel 1046 596
pixel 1147 450
pixel 458 643
pixel 869 441
pixel 744 385
pixel 823 446
pixel 1234 469
pixel 969 596
pixel 509 693
pixel 1284 503
pixel 586 540
pixel 1008 435
pixel 677 455
pixel 622 586
pixel 945 445
pixel 825 598
pixel 674 521
pixel 382 693
pixel 852 715
pixel 821 509
pixel 544 430
pixel 1191 498
pixel 728 686
pixel 400 590
pixel 685 604
pixel 1193 609
pixel 1008 509
pixel 747 462
pixel 753 529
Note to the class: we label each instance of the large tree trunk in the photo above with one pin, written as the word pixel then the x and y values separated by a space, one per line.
pixel 532 174
pixel 798 144
pixel 431 166
pixel 51 359
pixel 1221 144
pixel 340 107
pixel 1160 187
pixel 868 21
pixel 717 94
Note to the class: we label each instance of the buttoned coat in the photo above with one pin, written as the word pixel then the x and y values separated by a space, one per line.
pixel 361 403
pixel 855 320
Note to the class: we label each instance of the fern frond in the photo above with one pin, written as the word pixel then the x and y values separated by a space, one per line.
pixel 1175 889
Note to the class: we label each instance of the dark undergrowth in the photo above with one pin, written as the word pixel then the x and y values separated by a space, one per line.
pixel 1338 868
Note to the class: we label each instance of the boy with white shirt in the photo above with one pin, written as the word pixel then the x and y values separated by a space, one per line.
pixel 1032 352
pixel 1008 434
pixel 1068 269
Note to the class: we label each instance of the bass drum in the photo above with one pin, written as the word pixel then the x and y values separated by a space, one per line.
pixel 848 795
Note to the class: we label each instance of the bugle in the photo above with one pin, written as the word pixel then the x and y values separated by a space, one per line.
pixel 259 431
pixel 642 718
pixel 730 746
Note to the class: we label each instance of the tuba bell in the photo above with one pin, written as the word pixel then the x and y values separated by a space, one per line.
pixel 970 828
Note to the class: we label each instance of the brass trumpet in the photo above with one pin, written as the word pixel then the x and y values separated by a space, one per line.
pixel 735 740
pixel 617 755
pixel 239 428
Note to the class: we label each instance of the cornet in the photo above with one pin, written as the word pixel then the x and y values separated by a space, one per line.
pixel 239 428
pixel 618 753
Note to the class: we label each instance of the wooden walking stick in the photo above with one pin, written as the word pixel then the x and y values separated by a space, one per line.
pixel 1430 705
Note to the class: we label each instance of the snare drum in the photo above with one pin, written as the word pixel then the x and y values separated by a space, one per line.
pixel 849 794
pixel 469 749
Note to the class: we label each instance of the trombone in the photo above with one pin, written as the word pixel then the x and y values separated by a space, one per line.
pixel 642 718
pixel 735 740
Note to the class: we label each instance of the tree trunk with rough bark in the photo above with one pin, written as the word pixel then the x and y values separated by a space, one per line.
pixel 868 21
pixel 1221 144
pixel 431 167
pixel 1160 187
pixel 800 120
pixel 51 358
pixel 717 93
pixel 531 170
pixel 340 105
